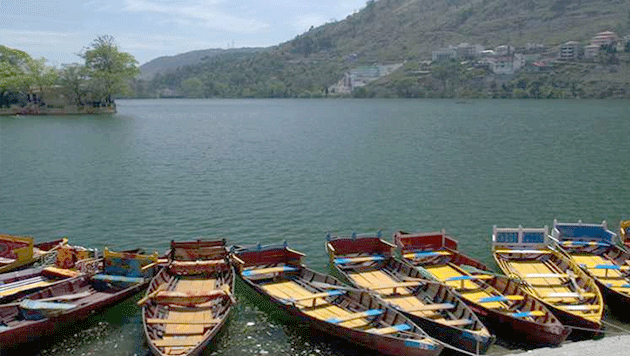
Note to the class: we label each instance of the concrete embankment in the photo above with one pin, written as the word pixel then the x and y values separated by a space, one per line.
pixel 608 346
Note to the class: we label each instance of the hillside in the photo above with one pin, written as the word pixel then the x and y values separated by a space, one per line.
pixel 169 63
pixel 388 31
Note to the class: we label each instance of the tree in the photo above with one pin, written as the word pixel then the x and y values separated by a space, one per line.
pixel 108 69
pixel 19 73
pixel 13 66
pixel 192 88
pixel 73 80
pixel 41 77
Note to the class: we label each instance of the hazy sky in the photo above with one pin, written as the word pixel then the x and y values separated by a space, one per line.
pixel 147 29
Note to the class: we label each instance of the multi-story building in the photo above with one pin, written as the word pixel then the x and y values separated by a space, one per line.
pixel 443 54
pixel 570 51
pixel 461 51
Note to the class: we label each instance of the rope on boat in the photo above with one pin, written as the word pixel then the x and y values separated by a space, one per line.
pixel 449 346
pixel 624 331
pixel 333 286
pixel 454 348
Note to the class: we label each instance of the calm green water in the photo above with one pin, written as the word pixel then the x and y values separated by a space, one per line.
pixel 268 170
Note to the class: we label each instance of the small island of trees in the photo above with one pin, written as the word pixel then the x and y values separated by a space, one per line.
pixel 29 86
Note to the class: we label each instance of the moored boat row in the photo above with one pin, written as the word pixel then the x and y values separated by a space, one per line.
pixel 415 296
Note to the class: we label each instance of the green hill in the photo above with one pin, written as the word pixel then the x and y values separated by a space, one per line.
pixel 169 63
pixel 388 31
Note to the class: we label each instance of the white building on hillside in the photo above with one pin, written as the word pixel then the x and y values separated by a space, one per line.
pixel 361 76
pixel 591 51
pixel 605 38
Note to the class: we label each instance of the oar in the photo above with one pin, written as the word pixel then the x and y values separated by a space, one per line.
pixel 152 294
pixel 59 297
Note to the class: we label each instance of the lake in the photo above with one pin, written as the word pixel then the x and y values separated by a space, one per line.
pixel 272 170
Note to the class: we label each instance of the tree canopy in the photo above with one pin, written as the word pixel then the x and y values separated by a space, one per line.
pixel 105 73
pixel 109 70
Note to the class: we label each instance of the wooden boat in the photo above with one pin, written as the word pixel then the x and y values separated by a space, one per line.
pixel 20 251
pixel 505 307
pixel 277 274
pixel 188 302
pixel 593 248
pixel 368 263
pixel 624 232
pixel 67 262
pixel 549 275
pixel 57 306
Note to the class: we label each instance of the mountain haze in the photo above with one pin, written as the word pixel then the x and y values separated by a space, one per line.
pixel 388 31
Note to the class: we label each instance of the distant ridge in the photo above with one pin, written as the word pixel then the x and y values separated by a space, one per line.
pixel 169 63
pixel 407 31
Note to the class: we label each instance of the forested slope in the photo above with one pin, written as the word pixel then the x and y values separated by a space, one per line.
pixel 387 31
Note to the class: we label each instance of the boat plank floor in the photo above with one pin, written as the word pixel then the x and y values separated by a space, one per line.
pixel 444 272
pixel 609 276
pixel 322 309
pixel 177 320
pixel 403 297
pixel 553 285
pixel 544 285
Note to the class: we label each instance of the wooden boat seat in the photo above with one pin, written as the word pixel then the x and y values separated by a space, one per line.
pixel 6 261
pixel 394 286
pixel 315 296
pixel 431 307
pixel 569 295
pixel 183 329
pixel 391 329
pixel 319 308
pixel 359 259
pixel 270 270
pixel 579 307
pixel 203 300
pixel 198 263
pixel 500 298
pixel 354 316
pixel 60 272
pixel 192 316
pixel 412 304
pixel 455 322
pixel 192 294
pixel 375 278
pixel 602 268
pixel 583 243
pixel 184 284
pixel 114 278
pixel 174 321
pixel 465 278
pixel 529 314
pixel 329 311
pixel 175 341
pixel 425 254
pixel 543 278
pixel 510 251
pixel 285 290
pixel 470 289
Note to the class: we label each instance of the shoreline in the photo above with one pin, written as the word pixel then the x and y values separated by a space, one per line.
pixel 66 110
